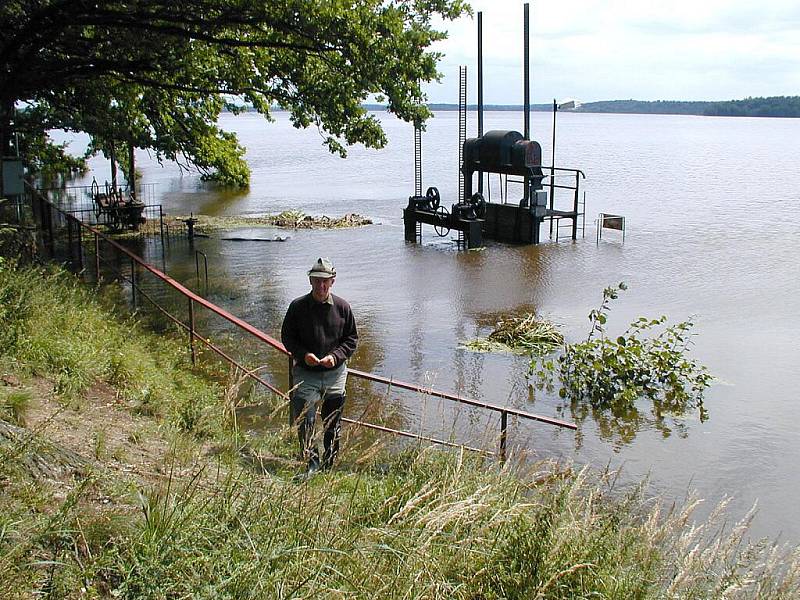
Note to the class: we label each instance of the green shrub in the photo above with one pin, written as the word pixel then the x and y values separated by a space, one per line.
pixel 644 362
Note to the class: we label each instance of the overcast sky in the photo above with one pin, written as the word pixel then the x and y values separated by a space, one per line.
pixel 617 49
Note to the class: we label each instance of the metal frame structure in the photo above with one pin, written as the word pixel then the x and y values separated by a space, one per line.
pixel 501 152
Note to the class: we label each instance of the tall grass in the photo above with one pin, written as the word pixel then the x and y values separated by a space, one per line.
pixel 52 326
pixel 427 524
pixel 417 523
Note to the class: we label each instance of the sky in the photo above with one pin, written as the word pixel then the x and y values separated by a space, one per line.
pixel 594 50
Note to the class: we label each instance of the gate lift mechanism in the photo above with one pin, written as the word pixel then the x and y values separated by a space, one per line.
pixel 504 152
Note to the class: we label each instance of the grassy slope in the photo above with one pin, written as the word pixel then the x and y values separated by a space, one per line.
pixel 418 523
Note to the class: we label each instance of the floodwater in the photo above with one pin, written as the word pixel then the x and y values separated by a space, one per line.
pixel 712 207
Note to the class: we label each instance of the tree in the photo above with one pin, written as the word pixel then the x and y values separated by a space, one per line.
pixel 157 73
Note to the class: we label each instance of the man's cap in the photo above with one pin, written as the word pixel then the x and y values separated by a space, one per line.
pixel 323 269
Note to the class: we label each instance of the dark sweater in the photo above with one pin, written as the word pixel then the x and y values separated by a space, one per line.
pixel 321 328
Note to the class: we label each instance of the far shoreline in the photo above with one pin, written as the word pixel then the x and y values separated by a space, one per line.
pixel 773 106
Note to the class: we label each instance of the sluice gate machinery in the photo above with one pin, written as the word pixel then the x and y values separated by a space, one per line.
pixel 506 153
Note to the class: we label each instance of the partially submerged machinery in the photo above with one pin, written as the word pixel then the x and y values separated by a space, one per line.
pixel 505 153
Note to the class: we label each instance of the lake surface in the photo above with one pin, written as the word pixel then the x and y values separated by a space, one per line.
pixel 713 231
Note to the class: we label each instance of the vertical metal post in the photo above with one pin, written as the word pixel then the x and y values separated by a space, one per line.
pixel 480 90
pixel 161 224
pixel 553 167
pixel 197 268
pixel 69 240
pixel 133 283
pixel 503 434
pixel 50 233
pixel 527 93
pixel 80 244
pixel 527 74
pixel 575 207
pixel 97 256
pixel 191 331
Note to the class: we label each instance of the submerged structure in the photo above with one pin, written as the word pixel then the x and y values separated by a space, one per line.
pixel 504 153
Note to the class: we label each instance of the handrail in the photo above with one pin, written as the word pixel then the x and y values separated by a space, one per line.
pixel 277 345
pixel 460 399
pixel 566 169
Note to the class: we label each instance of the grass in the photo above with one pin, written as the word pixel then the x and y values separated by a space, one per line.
pixel 411 523
pixel 426 524
pixel 13 404
pixel 54 328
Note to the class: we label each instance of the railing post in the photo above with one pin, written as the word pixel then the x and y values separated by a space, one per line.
pixel 191 331
pixel 575 205
pixel 503 435
pixel 97 257
pixel 161 222
pixel 70 253
pixel 197 268
pixel 552 194
pixel 79 229
pixel 133 283
pixel 50 236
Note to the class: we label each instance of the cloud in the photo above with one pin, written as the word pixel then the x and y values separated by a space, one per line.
pixel 647 50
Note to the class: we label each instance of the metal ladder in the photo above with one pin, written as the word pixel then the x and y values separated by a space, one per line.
pixel 462 126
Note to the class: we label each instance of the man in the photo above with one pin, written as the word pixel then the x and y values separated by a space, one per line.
pixel 320 333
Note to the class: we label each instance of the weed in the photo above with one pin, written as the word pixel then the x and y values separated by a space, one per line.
pixel 13 404
pixel 99 448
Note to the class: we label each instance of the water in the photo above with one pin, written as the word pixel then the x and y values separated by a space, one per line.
pixel 712 208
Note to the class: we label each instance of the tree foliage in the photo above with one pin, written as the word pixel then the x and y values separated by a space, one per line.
pixel 157 73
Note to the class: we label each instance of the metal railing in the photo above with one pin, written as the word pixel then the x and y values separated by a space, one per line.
pixel 81 237
pixel 575 189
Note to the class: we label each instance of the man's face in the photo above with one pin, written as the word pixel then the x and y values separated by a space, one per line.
pixel 321 288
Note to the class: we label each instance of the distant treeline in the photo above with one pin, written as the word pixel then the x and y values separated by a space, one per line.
pixel 774 106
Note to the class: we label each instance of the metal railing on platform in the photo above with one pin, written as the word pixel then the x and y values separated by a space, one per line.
pixel 79 241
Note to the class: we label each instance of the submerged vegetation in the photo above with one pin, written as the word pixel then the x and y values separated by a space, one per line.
pixel 216 513
pixel 290 219
pixel 521 334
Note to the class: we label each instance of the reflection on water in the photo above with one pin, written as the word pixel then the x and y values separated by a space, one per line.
pixel 711 206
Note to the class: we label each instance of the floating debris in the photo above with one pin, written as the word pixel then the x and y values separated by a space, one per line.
pixel 252 239
pixel 290 219
pixel 523 334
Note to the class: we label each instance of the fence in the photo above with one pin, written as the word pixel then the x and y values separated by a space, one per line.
pixel 85 246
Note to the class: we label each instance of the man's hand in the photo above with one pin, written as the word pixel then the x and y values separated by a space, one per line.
pixel 311 359
pixel 328 362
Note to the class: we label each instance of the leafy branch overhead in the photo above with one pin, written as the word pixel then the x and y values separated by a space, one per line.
pixel 158 73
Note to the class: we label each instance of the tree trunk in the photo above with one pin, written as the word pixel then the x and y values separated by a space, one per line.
pixel 132 174
pixel 6 133
pixel 113 156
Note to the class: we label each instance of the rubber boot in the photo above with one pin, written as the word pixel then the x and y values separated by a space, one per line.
pixel 332 424
pixel 302 416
